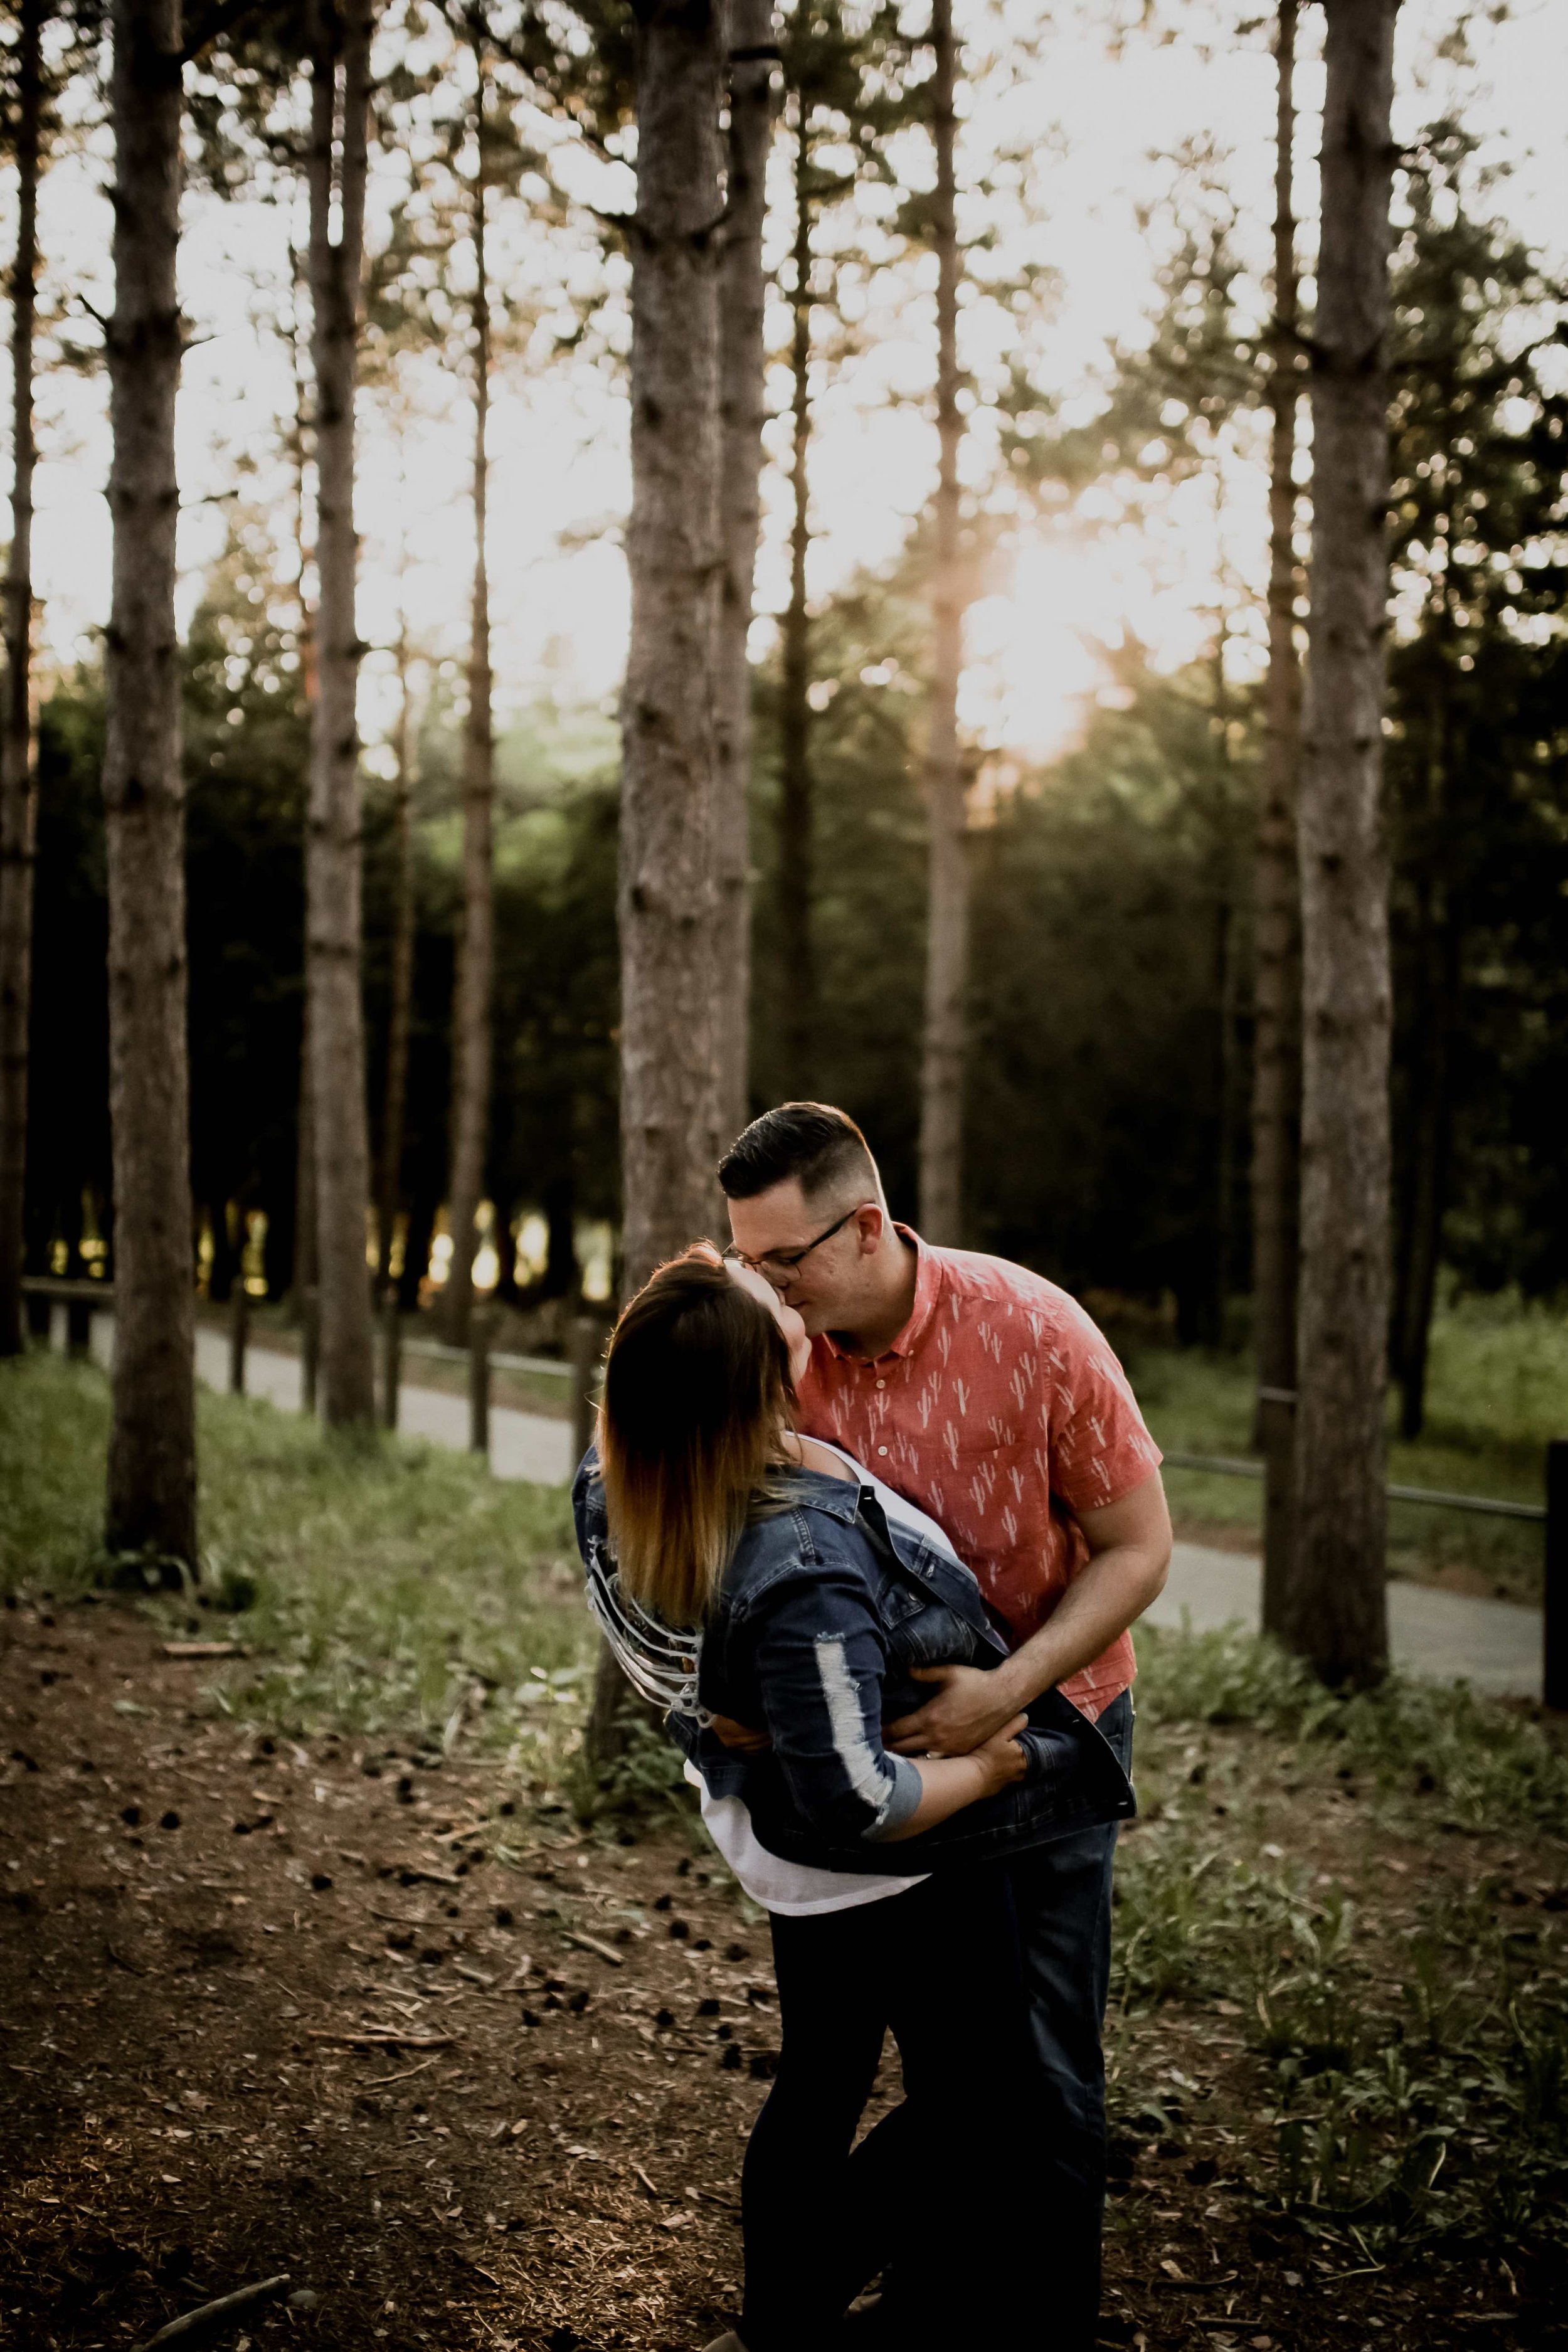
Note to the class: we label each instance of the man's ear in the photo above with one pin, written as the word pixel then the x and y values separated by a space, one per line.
pixel 871 1223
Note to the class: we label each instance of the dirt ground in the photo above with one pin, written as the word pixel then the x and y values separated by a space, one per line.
pixel 468 2079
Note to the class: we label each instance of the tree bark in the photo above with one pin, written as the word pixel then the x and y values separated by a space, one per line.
pixel 340 60
pixel 669 1094
pixel 797 961
pixel 667 898
pixel 18 770
pixel 151 1490
pixel 947 915
pixel 1277 892
pixel 1336 1614
pixel 401 1010
pixel 740 362
pixel 304 1268
pixel 1437 997
pixel 471 1049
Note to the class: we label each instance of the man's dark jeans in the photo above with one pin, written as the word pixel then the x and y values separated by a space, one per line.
pixel 982 2195
pixel 1062 1893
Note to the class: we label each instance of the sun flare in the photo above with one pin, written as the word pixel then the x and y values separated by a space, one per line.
pixel 1035 657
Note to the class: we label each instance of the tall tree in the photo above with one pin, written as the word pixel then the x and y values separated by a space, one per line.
pixel 742 293
pixel 18 774
pixel 339 96
pixel 472 1020
pixel 400 1012
pixel 947 917
pixel 1277 923
pixel 152 1493
pixel 846 95
pixel 669 1096
pixel 1336 1612
pixel 793 875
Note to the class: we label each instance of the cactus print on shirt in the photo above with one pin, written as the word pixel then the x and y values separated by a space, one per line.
pixel 1001 1410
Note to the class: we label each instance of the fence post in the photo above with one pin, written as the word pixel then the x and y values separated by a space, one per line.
pixel 239 1334
pixel 1555 1616
pixel 391 1357
pixel 587 1338
pixel 309 1350
pixel 478 1380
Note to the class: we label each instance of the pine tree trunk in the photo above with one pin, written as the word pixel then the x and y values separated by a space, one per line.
pixel 1276 985
pixel 340 56
pixel 304 1266
pixel 669 1098
pixel 476 951
pixel 152 1498
pixel 797 970
pixel 667 898
pixel 1437 991
pixel 1336 1615
pixel 947 915
pixel 740 306
pixel 401 1010
pixel 18 773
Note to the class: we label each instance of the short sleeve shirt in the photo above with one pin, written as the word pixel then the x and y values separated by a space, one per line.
pixel 1001 1410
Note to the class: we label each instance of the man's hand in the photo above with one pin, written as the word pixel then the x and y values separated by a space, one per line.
pixel 740 1737
pixel 970 1707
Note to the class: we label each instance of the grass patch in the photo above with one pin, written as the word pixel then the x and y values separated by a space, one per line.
pixel 1474 1764
pixel 377 1583
pixel 1409 2018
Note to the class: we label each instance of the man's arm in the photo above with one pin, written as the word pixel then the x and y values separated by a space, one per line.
pixel 1130 1552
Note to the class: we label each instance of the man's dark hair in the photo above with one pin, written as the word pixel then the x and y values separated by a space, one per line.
pixel 809 1140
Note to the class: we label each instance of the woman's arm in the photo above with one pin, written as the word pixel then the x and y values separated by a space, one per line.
pixel 819 1658
pixel 948 1783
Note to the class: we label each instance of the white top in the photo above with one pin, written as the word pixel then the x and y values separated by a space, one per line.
pixel 794 1887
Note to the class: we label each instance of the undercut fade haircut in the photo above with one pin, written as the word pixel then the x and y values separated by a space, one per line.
pixel 817 1145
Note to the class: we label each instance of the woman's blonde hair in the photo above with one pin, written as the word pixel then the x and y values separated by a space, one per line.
pixel 697 1393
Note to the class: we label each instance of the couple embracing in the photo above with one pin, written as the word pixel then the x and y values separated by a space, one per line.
pixel 870 1520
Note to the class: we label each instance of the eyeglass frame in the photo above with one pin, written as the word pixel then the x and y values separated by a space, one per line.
pixel 790 1261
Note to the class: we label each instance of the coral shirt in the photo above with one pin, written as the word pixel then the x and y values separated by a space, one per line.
pixel 1001 1410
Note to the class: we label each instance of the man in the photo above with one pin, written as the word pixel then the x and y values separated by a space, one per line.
pixel 985 1395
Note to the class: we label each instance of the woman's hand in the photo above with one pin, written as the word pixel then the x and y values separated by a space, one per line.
pixel 740 1738
pixel 1003 1760
pixel 948 1783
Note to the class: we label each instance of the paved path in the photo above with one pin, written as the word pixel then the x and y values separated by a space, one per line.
pixel 1495 1645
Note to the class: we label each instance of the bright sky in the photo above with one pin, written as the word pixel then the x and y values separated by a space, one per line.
pixel 1088 120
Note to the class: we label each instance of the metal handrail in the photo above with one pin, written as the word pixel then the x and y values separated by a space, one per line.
pixel 1492 1506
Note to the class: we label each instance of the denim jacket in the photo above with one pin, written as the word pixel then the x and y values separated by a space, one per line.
pixel 823 1612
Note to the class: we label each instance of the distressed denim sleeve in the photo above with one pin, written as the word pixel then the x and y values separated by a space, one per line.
pixel 820 1660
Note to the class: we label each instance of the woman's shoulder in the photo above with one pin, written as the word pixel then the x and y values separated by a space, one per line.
pixel 827 1461
pixel 808 1528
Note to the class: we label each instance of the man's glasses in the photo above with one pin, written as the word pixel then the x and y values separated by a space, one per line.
pixel 778 1266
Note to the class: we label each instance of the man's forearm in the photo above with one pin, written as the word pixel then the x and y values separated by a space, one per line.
pixel 1101 1602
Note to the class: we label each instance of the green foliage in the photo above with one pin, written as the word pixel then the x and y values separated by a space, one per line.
pixel 1477 754
pixel 1105 900
pixel 1417 2062
pixel 1498 1381
pixel 54 1435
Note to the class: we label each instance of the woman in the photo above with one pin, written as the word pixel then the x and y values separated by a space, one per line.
pixel 743 1570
